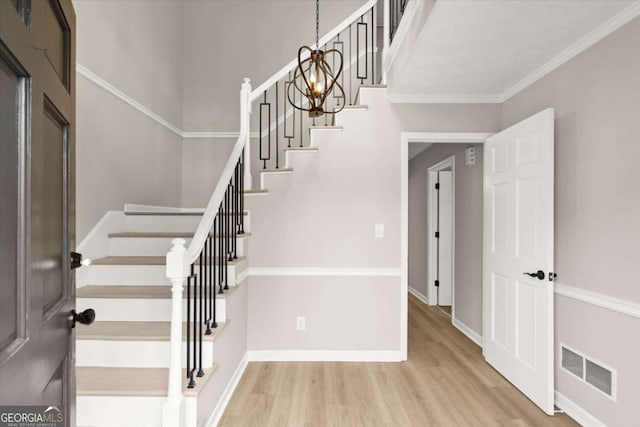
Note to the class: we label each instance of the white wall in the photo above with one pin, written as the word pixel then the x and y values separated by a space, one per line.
pixel 323 217
pixel 468 228
pixel 597 209
pixel 122 155
pixel 226 40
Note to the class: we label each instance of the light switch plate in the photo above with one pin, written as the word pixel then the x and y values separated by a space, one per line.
pixel 379 231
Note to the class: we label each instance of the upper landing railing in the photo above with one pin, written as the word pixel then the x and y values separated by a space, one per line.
pixel 202 266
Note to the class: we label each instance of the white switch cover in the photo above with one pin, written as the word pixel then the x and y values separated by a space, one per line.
pixel 379 231
pixel 301 323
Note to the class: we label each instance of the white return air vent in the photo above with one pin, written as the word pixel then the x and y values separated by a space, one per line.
pixel 593 373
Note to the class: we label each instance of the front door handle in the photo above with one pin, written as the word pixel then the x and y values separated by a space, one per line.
pixel 539 274
pixel 86 317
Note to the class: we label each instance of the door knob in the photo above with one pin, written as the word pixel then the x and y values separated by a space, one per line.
pixel 77 261
pixel 539 274
pixel 86 317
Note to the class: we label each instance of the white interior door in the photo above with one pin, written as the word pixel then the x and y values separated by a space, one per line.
pixel 445 237
pixel 518 239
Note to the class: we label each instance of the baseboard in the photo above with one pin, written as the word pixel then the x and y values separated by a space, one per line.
pixel 323 356
pixel 228 392
pixel 576 412
pixel 470 333
pixel 416 293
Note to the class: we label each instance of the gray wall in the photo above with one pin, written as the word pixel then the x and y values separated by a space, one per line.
pixel 597 209
pixel 123 156
pixel 226 40
pixel 468 228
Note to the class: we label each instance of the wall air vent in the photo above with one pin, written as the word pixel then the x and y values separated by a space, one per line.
pixel 589 371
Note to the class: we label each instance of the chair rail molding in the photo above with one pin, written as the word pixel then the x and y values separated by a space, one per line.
pixel 323 271
pixel 122 96
pixel 629 308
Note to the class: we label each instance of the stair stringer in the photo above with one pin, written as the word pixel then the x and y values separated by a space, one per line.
pixel 321 220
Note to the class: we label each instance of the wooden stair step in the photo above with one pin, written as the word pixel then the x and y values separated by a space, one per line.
pixel 332 128
pixel 167 234
pixel 301 149
pixel 279 170
pixel 107 381
pixel 145 260
pixel 256 192
pixel 137 331
pixel 164 213
pixel 353 107
pixel 143 292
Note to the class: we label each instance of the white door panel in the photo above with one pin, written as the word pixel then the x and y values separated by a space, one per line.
pixel 518 230
pixel 445 241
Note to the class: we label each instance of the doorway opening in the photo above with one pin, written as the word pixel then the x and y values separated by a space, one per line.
pixel 441 235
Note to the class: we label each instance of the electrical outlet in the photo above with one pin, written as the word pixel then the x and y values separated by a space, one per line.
pixel 301 323
pixel 379 231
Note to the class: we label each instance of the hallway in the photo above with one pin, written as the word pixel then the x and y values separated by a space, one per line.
pixel 445 382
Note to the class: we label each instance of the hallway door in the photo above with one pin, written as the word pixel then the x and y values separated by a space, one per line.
pixel 518 256
pixel 37 109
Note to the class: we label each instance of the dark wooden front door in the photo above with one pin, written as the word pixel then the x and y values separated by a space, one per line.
pixel 37 232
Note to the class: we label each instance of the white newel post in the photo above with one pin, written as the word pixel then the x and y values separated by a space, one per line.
pixel 177 272
pixel 245 115
pixel 386 34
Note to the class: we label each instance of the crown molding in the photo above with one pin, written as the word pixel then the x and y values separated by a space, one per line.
pixel 617 21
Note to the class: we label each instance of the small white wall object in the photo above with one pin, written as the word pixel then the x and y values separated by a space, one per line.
pixel 379 231
pixel 470 156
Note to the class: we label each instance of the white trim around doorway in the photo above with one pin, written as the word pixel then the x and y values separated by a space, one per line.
pixel 405 139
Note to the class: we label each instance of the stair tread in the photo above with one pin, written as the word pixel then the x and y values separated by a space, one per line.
pixel 326 127
pixel 165 234
pixel 108 381
pixel 137 331
pixel 352 107
pixel 165 213
pixel 151 292
pixel 301 149
pixel 256 192
pixel 276 170
pixel 144 260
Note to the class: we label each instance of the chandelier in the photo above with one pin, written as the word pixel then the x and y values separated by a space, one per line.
pixel 314 78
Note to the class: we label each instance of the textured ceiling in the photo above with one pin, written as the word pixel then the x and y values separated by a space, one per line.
pixel 485 47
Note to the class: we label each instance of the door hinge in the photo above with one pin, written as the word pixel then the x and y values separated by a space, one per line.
pixel 437 185
pixel 437 283
pixel 437 234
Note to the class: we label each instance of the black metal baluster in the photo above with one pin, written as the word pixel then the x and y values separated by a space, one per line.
pixel 225 238
pixel 362 26
pixel 277 134
pixel 293 114
pixel 200 316
pixel 268 106
pixel 220 248
pixel 373 64
pixel 301 133
pixel 242 193
pixel 350 78
pixel 190 362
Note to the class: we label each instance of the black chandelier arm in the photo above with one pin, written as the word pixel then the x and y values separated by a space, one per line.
pixel 292 102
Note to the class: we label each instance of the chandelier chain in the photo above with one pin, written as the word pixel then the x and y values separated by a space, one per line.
pixel 317 24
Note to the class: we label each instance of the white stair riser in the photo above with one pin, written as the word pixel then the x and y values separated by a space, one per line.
pixel 134 354
pixel 139 309
pixel 265 177
pixel 144 275
pixel 178 223
pixel 151 246
pixel 121 411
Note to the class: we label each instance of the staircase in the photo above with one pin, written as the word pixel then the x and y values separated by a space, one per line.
pixel 147 360
pixel 123 358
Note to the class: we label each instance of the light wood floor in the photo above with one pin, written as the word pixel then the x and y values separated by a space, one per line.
pixel 445 382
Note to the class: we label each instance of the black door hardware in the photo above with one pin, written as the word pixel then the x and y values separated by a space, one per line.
pixel 539 274
pixel 86 317
pixel 76 260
